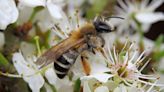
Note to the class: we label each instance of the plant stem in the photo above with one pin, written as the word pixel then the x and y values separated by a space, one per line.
pixel 37 45
pixel 34 12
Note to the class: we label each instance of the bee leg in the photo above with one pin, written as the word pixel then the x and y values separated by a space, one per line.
pixel 93 50
pixel 85 64
pixel 101 51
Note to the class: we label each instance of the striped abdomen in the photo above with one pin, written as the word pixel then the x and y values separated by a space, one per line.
pixel 64 63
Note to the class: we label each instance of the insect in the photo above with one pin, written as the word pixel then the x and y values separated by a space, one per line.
pixel 64 54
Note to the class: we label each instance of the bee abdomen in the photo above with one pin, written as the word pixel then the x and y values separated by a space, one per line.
pixel 64 63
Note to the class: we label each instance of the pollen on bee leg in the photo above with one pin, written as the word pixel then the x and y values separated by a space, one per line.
pixel 86 66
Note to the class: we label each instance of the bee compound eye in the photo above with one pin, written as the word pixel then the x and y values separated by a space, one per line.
pixel 102 27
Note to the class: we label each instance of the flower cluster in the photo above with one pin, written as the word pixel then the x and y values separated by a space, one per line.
pixel 122 65
pixel 138 15
pixel 110 70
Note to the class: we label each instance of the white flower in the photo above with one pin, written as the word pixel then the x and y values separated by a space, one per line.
pixel 54 6
pixel 127 68
pixel 2 40
pixel 91 69
pixel 61 85
pixel 8 13
pixel 25 69
pixel 101 89
pixel 137 14
pixel 124 67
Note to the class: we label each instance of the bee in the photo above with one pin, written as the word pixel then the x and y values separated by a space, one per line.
pixel 65 53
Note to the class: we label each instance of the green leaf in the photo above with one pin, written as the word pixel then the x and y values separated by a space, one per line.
pixel 158 52
pixel 158 55
pixel 3 60
pixel 97 7
pixel 159 41
pixel 77 85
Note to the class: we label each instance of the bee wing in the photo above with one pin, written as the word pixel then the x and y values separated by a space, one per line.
pixel 56 51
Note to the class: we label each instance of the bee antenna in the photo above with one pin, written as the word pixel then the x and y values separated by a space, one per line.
pixel 114 17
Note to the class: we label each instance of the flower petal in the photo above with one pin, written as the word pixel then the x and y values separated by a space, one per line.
pixel 149 18
pixel 33 3
pixel 154 4
pixel 86 87
pixel 35 81
pixel 54 9
pixel 101 89
pixel 121 88
pixel 64 85
pixel 100 77
pixel 27 49
pixel 98 68
pixel 8 13
pixel 51 76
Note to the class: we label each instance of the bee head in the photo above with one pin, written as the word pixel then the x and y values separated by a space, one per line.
pixel 101 25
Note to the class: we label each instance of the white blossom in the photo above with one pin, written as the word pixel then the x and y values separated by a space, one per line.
pixel 8 13
pixel 137 13
pixel 61 85
pixel 26 69
pixel 123 67
pixel 53 6
pixel 97 69
pixel 25 65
